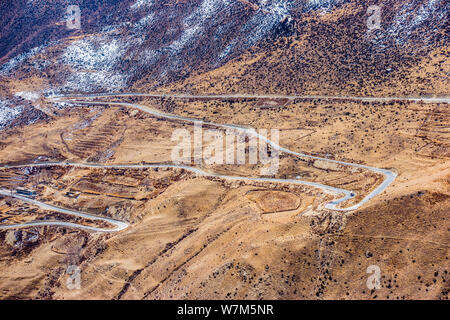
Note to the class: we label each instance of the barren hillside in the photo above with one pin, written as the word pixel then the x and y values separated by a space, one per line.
pixel 225 231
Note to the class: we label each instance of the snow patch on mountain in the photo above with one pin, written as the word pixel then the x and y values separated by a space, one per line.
pixel 323 5
pixel 144 22
pixel 94 62
pixel 27 95
pixel 195 22
pixel 262 23
pixel 141 3
pixel 228 49
pixel 15 62
pixel 187 35
pixel 411 16
pixel 93 53
pixel 206 10
pixel 8 113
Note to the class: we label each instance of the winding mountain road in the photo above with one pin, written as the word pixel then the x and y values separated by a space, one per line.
pixel 118 225
pixel 267 96
pixel 389 176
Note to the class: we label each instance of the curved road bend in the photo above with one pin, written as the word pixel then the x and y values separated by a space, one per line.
pixel 118 225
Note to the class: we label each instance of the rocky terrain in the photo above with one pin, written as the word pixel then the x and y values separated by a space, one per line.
pixel 203 237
